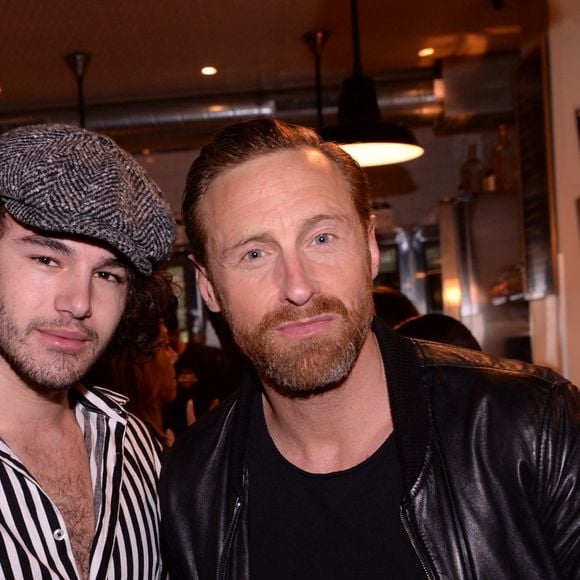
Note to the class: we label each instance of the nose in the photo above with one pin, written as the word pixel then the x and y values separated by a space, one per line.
pixel 74 296
pixel 299 283
pixel 172 354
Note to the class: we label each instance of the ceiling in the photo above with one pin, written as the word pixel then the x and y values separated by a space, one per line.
pixel 153 51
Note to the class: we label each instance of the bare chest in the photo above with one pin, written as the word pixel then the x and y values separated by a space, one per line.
pixel 62 470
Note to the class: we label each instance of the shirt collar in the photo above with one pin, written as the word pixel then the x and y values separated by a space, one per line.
pixel 99 400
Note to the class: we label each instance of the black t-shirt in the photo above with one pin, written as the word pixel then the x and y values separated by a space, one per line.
pixel 343 525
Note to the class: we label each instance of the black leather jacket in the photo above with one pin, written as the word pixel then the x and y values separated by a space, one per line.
pixel 490 458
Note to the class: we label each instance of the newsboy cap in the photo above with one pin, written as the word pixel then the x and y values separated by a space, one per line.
pixel 66 180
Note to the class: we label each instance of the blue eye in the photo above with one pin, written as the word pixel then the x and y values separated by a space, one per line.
pixel 254 254
pixel 322 239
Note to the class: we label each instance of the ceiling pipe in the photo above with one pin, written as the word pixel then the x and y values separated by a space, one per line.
pixel 407 95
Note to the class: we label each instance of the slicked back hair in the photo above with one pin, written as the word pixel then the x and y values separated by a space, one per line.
pixel 242 142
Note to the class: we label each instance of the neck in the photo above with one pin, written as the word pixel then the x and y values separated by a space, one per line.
pixel 338 429
pixel 22 406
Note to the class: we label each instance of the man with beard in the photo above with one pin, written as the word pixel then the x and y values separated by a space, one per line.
pixel 83 232
pixel 352 452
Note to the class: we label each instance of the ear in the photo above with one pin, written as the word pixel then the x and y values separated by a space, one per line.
pixel 205 285
pixel 374 251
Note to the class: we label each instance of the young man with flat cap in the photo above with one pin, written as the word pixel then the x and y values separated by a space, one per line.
pixel 352 452
pixel 83 232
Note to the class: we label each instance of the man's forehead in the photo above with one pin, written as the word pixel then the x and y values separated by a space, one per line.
pixel 271 172
pixel 282 160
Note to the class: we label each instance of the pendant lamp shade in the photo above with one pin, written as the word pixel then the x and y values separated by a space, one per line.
pixel 360 131
pixel 384 149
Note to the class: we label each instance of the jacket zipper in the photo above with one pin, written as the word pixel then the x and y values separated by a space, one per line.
pixel 222 564
pixel 223 561
pixel 414 544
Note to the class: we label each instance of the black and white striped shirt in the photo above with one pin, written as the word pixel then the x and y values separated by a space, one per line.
pixel 124 464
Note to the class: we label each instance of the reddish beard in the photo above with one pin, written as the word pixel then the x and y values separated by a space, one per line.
pixel 305 366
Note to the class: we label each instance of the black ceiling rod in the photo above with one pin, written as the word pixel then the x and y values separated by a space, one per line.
pixel 78 62
pixel 357 62
pixel 316 41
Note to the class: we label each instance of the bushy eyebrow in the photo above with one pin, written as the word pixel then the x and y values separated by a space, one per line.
pixel 50 243
pixel 113 262
pixel 60 247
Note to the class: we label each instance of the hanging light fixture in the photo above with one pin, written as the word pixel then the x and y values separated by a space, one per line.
pixel 360 131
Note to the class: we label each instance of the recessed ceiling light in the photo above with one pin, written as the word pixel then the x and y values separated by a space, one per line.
pixel 426 52
pixel 209 71
pixel 503 30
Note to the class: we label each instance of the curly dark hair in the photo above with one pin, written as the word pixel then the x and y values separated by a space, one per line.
pixel 148 300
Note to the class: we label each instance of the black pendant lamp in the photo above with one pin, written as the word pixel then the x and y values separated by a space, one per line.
pixel 360 131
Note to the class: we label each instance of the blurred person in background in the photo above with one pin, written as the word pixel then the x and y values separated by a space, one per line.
pixel 392 306
pixel 148 380
pixel 438 328
pixel 206 375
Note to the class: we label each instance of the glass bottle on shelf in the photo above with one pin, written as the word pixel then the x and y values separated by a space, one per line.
pixel 489 180
pixel 471 172
pixel 504 161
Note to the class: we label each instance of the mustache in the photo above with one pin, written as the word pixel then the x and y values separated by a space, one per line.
pixel 289 313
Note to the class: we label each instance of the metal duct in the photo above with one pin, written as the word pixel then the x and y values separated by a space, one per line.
pixel 189 122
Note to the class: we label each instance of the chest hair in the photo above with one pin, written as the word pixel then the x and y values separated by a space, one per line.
pixel 59 462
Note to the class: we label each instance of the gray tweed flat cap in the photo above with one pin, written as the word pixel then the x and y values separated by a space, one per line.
pixel 66 180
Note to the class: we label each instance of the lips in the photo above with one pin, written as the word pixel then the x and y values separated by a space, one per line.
pixel 306 327
pixel 64 339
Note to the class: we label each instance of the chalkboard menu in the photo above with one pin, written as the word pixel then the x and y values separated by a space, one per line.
pixel 532 115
